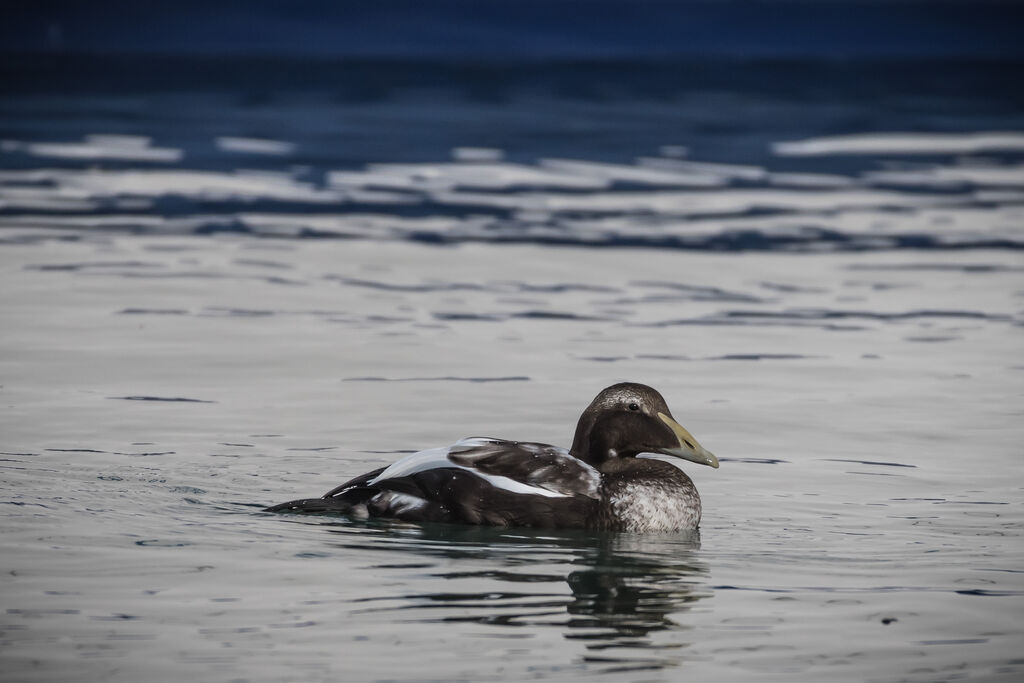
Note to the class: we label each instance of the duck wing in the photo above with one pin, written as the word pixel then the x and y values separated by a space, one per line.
pixel 476 481
pixel 515 466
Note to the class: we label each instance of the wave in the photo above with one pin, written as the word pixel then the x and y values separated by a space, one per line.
pixel 659 202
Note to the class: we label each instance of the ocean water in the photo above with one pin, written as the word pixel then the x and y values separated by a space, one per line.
pixel 226 284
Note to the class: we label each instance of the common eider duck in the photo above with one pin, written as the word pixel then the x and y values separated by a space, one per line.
pixel 600 483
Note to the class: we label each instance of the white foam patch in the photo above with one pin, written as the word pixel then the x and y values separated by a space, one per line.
pixel 718 173
pixel 99 147
pixel 43 199
pixel 679 203
pixel 947 176
pixel 209 185
pixel 673 151
pixel 640 175
pixel 255 146
pixel 379 226
pixel 449 176
pixel 477 154
pixel 904 144
pixel 811 180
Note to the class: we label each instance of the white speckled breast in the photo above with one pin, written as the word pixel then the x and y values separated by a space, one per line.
pixel 644 506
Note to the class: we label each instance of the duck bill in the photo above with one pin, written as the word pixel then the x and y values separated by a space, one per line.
pixel 688 448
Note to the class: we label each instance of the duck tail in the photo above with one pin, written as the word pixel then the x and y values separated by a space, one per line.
pixel 313 505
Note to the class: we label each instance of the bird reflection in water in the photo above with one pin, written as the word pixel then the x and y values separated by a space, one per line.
pixel 628 591
pixel 629 594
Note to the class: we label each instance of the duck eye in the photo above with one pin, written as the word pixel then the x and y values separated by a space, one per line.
pixel 633 406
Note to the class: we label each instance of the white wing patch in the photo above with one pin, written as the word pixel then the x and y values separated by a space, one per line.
pixel 438 457
pixel 399 503
pixel 417 462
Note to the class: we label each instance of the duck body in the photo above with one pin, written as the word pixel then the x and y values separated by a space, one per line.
pixel 599 483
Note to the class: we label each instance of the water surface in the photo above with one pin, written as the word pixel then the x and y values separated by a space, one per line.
pixel 214 302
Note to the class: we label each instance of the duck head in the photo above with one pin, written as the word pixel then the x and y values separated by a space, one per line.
pixel 627 419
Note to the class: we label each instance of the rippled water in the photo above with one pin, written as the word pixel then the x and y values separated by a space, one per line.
pixel 213 302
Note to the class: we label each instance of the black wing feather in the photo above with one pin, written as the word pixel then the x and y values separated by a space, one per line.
pixel 466 492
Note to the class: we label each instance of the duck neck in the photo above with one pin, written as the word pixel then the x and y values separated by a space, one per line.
pixel 602 457
pixel 581 443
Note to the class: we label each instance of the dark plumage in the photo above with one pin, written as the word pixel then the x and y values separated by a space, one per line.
pixel 599 483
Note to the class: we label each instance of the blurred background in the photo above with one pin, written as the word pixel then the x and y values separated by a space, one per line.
pixel 525 29
pixel 325 95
